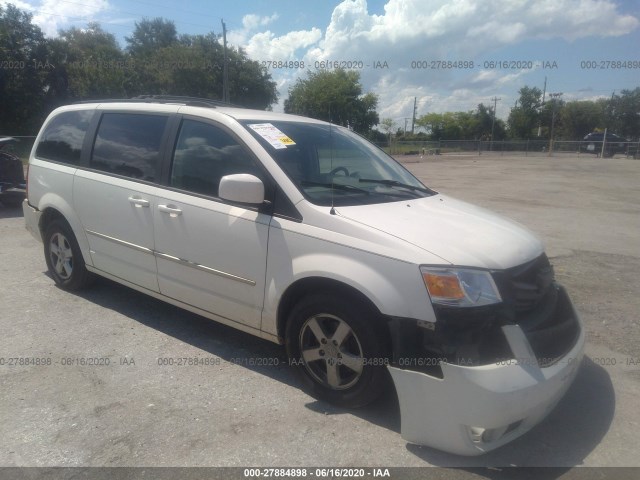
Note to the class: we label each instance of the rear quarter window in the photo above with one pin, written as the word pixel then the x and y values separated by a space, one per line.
pixel 63 137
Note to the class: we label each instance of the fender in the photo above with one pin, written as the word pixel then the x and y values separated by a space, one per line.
pixel 395 287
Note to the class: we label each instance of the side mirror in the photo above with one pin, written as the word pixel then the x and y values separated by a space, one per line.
pixel 241 188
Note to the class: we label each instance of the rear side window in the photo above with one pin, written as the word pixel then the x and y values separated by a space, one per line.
pixel 129 144
pixel 63 137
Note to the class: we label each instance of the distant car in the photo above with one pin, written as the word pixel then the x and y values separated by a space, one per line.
pixel 592 143
pixel 12 182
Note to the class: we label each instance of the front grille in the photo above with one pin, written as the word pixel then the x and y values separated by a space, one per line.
pixel 474 336
pixel 552 340
pixel 530 283
pixel 542 309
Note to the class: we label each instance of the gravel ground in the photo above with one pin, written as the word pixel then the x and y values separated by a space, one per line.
pixel 135 412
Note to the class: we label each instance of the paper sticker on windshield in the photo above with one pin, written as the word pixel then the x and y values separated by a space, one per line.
pixel 271 134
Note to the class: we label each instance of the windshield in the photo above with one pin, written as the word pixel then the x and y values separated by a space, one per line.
pixel 335 167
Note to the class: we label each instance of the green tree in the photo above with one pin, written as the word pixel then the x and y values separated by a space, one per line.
pixel 473 125
pixel 579 118
pixel 151 35
pixel 192 65
pixel 23 83
pixel 387 125
pixel 484 117
pixel 432 124
pixel 95 65
pixel 250 85
pixel 334 96
pixel 524 119
pixel 626 113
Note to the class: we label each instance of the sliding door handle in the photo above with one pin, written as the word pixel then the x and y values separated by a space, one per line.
pixel 172 210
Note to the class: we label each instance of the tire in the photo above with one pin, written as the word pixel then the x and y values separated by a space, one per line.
pixel 328 341
pixel 64 258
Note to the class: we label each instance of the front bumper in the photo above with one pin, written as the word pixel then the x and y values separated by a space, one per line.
pixel 473 410
pixel 32 219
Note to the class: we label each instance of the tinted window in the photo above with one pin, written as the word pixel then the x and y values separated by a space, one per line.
pixel 129 144
pixel 63 137
pixel 203 155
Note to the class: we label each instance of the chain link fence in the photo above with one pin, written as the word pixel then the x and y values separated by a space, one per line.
pixel 511 147
pixel 22 148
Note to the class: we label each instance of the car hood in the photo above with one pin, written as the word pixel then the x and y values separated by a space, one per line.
pixel 458 232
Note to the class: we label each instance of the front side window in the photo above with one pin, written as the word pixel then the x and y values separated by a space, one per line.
pixel 333 166
pixel 63 137
pixel 203 155
pixel 129 144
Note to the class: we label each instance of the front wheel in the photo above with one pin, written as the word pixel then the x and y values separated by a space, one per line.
pixel 64 258
pixel 339 349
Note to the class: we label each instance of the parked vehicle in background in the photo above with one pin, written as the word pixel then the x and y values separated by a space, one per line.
pixel 304 233
pixel 12 182
pixel 592 143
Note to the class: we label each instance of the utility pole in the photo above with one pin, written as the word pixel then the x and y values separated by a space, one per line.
pixel 544 91
pixel 415 111
pixel 225 67
pixel 493 121
pixel 553 119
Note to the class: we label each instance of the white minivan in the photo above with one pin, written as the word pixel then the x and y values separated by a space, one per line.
pixel 305 234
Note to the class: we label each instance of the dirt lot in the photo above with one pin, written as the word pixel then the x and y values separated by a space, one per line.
pixel 135 412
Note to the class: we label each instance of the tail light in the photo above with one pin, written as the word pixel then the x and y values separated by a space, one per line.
pixel 27 183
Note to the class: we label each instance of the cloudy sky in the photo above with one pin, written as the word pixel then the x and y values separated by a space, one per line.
pixel 585 48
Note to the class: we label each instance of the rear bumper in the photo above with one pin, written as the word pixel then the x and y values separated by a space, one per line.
pixel 473 410
pixel 32 220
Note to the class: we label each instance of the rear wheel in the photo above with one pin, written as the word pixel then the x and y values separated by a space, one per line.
pixel 339 349
pixel 64 258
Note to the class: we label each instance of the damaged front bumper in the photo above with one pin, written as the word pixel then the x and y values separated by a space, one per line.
pixel 471 410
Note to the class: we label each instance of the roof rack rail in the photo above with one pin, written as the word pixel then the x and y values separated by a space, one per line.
pixel 189 101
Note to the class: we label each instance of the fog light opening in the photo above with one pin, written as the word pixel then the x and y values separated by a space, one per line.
pixel 488 435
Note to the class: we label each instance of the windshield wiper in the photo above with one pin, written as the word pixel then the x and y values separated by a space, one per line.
pixel 395 183
pixel 337 186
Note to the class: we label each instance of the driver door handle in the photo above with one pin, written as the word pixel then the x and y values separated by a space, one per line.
pixel 139 202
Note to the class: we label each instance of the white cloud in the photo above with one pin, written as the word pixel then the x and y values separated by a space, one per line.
pixel 464 27
pixel 52 15
pixel 250 23
pixel 253 21
pixel 448 30
pixel 17 3
pixel 268 46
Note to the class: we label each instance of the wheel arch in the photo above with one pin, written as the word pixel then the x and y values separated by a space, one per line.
pixel 64 212
pixel 49 215
pixel 307 285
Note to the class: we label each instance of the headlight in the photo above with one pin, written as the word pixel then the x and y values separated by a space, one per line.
pixel 460 287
